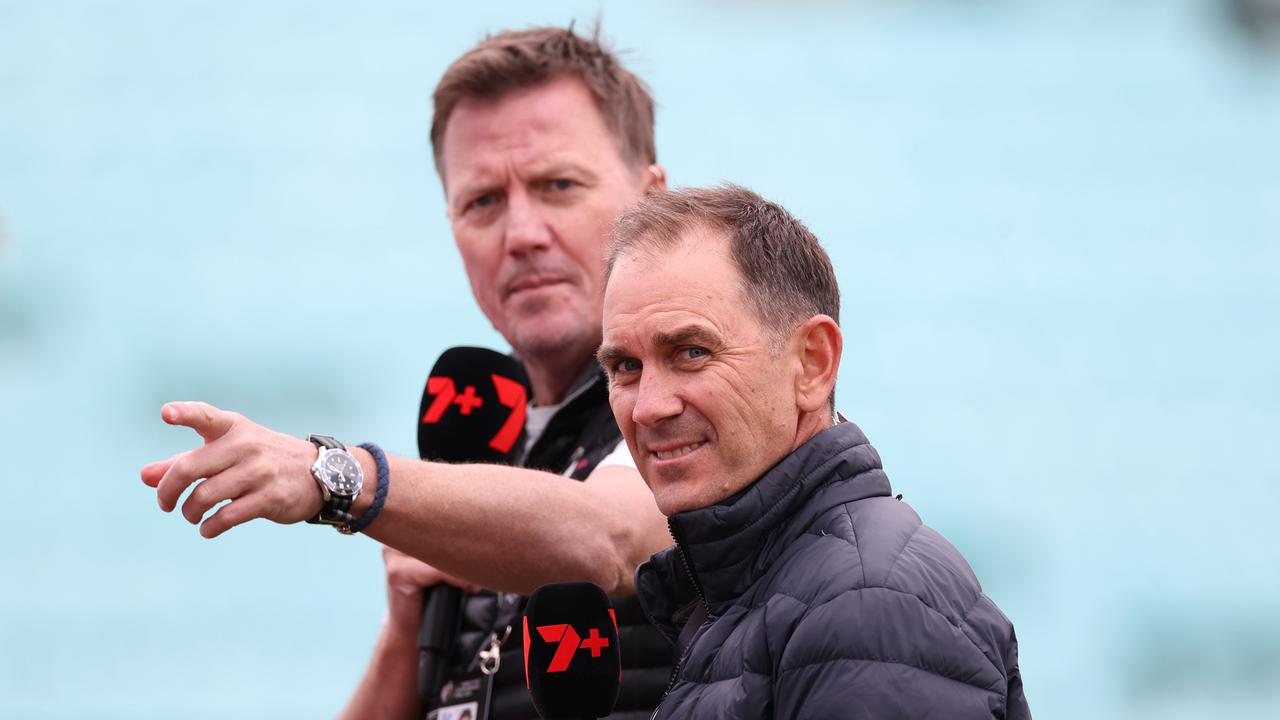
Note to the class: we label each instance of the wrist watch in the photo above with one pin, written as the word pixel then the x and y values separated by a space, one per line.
pixel 340 479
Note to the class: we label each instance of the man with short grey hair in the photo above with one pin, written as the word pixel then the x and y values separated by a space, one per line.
pixel 799 586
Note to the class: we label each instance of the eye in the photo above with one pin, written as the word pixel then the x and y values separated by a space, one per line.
pixel 561 184
pixel 623 371
pixel 694 353
pixel 482 201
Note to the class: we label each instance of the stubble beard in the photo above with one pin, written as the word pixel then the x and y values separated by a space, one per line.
pixel 554 333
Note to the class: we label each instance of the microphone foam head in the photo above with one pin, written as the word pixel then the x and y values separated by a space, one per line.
pixel 473 408
pixel 572 664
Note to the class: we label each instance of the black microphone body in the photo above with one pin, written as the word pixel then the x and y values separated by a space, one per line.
pixel 437 635
pixel 573 665
pixel 473 410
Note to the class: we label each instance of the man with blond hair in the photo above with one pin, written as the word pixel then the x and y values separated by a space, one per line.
pixel 541 139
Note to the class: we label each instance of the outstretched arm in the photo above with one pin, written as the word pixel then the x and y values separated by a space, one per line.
pixel 504 528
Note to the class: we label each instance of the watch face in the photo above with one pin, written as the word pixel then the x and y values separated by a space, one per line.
pixel 342 473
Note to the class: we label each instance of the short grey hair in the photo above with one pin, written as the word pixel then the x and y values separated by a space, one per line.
pixel 786 275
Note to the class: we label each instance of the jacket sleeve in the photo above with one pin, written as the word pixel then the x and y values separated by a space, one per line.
pixel 881 653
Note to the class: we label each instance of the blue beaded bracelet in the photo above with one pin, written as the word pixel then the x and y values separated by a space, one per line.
pixel 379 496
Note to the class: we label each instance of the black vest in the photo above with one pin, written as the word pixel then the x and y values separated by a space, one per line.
pixel 578 437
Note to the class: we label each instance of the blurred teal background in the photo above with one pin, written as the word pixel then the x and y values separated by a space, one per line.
pixel 1056 225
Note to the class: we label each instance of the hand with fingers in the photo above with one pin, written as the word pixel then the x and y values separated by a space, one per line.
pixel 407 577
pixel 265 474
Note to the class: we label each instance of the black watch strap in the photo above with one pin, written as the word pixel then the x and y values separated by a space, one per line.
pixel 326 441
pixel 337 510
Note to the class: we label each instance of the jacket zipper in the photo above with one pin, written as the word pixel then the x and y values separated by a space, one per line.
pixel 697 586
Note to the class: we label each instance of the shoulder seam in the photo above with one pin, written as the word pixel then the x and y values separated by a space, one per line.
pixel 857 545
pixel 902 551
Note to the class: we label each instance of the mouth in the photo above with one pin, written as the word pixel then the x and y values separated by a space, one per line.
pixel 533 282
pixel 677 452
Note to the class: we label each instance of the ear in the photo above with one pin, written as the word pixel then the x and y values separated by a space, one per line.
pixel 654 179
pixel 818 345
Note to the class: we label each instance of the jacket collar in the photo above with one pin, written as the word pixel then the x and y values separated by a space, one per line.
pixel 730 545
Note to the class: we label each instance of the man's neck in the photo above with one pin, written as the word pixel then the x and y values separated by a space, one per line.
pixel 553 377
pixel 811 424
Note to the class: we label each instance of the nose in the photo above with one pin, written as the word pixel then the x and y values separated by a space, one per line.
pixel 527 228
pixel 656 399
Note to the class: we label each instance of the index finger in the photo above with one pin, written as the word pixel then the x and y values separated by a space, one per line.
pixel 207 420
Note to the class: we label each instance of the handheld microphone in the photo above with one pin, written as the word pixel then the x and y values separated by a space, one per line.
pixel 572 664
pixel 473 410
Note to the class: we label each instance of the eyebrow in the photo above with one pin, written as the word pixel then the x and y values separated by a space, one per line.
pixel 607 355
pixel 687 335
pixel 562 167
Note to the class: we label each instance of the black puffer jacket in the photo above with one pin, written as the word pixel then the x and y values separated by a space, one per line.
pixel 828 598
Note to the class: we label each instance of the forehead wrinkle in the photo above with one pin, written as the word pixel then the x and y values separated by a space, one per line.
pixel 537 166
pixel 523 149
